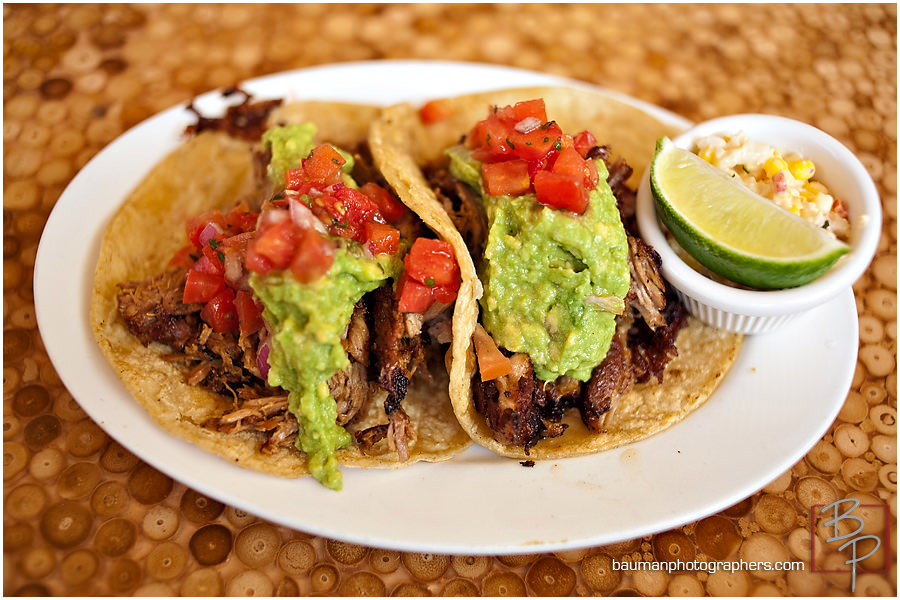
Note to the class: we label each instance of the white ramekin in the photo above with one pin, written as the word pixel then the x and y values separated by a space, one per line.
pixel 755 311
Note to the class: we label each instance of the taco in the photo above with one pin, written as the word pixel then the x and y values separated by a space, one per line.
pixel 264 295
pixel 567 341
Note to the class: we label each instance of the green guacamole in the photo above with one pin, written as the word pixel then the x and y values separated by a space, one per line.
pixel 308 320
pixel 539 266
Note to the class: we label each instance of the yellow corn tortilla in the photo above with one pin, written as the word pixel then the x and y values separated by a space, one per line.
pixel 705 354
pixel 211 171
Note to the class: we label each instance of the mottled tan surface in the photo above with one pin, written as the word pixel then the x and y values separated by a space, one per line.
pixel 83 516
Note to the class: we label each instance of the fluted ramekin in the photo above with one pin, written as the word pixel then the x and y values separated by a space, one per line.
pixel 757 311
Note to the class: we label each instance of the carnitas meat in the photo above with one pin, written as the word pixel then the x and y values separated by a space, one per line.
pixel 226 363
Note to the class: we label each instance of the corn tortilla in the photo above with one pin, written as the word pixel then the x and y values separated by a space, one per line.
pixel 405 144
pixel 212 170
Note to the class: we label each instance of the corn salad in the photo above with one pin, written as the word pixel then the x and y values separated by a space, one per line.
pixel 785 179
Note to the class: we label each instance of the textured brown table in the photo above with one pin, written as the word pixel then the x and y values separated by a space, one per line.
pixel 82 516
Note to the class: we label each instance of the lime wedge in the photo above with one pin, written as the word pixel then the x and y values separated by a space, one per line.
pixel 732 230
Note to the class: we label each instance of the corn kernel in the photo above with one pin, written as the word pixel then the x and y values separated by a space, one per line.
pixel 802 169
pixel 707 155
pixel 775 165
pixel 814 187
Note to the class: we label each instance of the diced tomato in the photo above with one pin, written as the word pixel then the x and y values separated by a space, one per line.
pixel 381 238
pixel 239 241
pixel 257 262
pixel 413 296
pixel 507 178
pixel 212 250
pixel 432 263
pixel 541 164
pixel 436 110
pixel 491 362
pixel 520 131
pixel 276 244
pixel 584 142
pixel 240 220
pixel 389 206
pixel 431 274
pixel 536 144
pixel 445 293
pixel 561 190
pixel 205 265
pixel 201 287
pixel 294 179
pixel 592 176
pixel 314 257
pixel 195 225
pixel 324 165
pixel 184 258
pixel 219 313
pixel 489 140
pixel 536 108
pixel 350 210
pixel 249 313
pixel 570 162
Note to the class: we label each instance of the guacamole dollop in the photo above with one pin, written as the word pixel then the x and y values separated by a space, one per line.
pixel 539 266
pixel 307 320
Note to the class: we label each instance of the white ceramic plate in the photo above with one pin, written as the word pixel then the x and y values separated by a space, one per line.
pixel 782 394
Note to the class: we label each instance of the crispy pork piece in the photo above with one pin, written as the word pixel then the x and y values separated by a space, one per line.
pixel 463 206
pixel 609 379
pixel 400 433
pixel 651 350
pixel 508 404
pixel 247 120
pixel 559 396
pixel 153 310
pixel 619 172
pixel 397 345
pixel 647 292
pixel 268 415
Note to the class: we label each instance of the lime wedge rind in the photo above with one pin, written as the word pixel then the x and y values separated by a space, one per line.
pixel 751 256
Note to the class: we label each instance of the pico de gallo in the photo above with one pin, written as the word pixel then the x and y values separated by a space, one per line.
pixel 520 151
pixel 299 230
pixel 295 270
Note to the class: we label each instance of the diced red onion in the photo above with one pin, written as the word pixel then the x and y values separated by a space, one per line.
pixel 262 360
pixel 233 268
pixel 304 218
pixel 527 125
pixel 209 232
pixel 273 216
